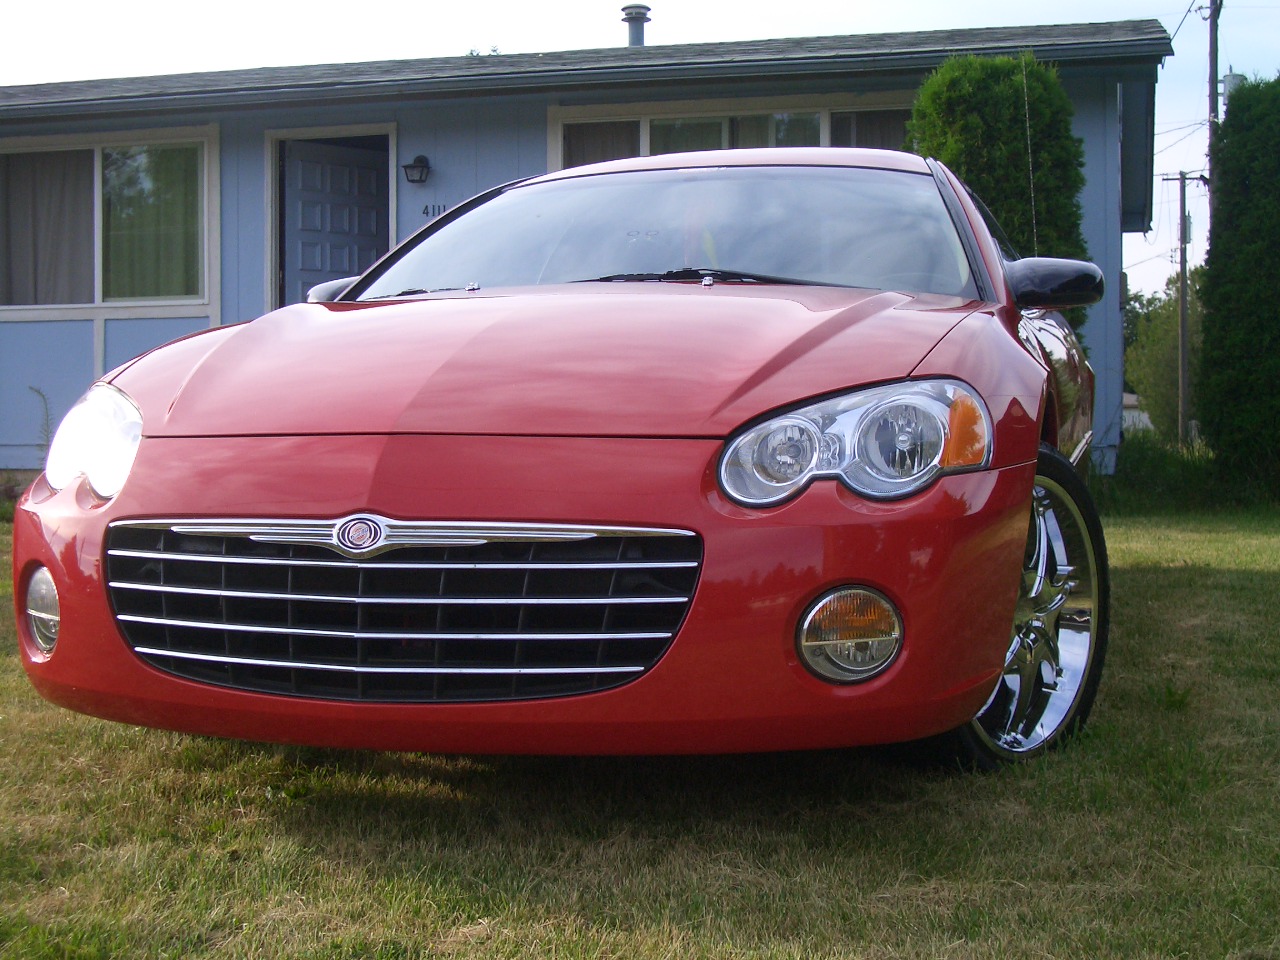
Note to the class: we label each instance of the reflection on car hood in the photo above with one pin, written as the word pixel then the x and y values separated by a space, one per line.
pixel 630 359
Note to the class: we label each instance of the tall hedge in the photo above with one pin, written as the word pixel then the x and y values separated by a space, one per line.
pixel 973 114
pixel 1240 360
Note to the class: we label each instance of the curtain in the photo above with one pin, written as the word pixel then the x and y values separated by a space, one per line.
pixel 749 131
pixel 46 228
pixel 151 222
pixel 886 129
pixel 594 142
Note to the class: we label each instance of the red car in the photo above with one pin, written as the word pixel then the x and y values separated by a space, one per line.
pixel 733 451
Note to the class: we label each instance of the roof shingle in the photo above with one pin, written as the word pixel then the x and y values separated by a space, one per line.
pixel 1123 42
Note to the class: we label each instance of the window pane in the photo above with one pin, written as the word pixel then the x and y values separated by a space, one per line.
pixel 842 129
pixel 885 129
pixel 152 222
pixel 46 228
pixel 797 130
pixel 676 136
pixel 594 142
pixel 749 132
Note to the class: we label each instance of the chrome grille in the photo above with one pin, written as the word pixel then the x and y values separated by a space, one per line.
pixel 430 612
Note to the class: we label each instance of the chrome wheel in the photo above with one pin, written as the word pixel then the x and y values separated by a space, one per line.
pixel 1059 631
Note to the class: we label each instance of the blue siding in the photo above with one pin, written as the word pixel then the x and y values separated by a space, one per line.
pixel 126 339
pixel 472 146
pixel 54 357
pixel 1097 122
pixel 244 218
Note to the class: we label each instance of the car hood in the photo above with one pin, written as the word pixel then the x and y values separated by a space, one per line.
pixel 614 359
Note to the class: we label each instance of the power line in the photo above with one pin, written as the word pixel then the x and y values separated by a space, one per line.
pixel 1190 7
pixel 1163 255
pixel 1180 127
pixel 1178 141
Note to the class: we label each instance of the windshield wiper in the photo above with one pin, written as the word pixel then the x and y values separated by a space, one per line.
pixel 704 273
pixel 411 292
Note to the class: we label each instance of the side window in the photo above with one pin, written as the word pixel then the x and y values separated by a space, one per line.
pixel 1002 239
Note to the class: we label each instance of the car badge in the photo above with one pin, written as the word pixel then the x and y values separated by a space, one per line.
pixel 359 534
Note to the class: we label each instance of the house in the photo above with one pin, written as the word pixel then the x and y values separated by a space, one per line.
pixel 133 211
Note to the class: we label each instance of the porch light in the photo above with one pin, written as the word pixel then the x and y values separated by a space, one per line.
pixel 416 172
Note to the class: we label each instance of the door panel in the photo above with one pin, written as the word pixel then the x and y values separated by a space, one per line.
pixel 335 204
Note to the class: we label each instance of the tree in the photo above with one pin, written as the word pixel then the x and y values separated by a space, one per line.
pixel 1151 360
pixel 1240 362
pixel 1003 125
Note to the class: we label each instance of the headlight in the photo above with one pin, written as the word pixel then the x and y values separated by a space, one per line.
pixel 98 440
pixel 883 442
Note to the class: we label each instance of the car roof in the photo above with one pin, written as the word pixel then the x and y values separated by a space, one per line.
pixel 756 157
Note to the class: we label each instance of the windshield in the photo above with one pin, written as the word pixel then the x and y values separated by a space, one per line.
pixel 835 226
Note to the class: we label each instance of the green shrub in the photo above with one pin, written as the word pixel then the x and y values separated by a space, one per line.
pixel 1240 362
pixel 979 116
pixel 1155 475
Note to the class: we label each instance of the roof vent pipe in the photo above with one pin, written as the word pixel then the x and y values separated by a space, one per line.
pixel 635 16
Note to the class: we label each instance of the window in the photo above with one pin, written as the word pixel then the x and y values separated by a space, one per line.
pixel 883 129
pixel 755 130
pixel 107 224
pixel 594 142
pixel 590 141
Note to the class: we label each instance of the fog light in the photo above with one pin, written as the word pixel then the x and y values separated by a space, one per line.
pixel 850 634
pixel 42 610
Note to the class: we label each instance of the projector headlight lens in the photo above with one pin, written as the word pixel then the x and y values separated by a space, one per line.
pixel 885 442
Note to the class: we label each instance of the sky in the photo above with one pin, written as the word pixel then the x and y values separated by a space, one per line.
pixel 89 39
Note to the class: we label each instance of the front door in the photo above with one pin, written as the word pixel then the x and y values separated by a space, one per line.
pixel 335 208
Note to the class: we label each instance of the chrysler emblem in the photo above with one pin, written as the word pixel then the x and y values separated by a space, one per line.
pixel 359 534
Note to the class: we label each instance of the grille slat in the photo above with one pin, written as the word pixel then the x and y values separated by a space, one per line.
pixel 434 612
pixel 404 671
pixel 290 630
pixel 407 600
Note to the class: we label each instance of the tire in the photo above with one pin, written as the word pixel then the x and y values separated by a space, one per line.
pixel 1059 637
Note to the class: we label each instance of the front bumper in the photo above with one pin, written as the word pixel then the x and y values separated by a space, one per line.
pixel 949 559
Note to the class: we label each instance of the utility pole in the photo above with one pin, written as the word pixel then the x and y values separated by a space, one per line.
pixel 1215 12
pixel 1184 304
pixel 1183 307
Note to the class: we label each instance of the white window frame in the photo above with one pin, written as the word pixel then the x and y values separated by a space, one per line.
pixel 208 303
pixel 822 104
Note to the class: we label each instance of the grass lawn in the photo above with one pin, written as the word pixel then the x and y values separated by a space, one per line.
pixel 1157 834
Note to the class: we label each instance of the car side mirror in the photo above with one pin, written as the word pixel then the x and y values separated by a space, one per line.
pixel 330 290
pixel 1044 283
